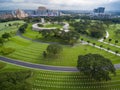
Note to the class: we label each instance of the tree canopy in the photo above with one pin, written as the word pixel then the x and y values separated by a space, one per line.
pixel 54 49
pixel 96 67
pixel 6 35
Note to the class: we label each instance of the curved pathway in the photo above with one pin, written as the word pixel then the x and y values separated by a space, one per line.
pixel 38 66
pixel 107 36
pixel 43 67
pixel 47 67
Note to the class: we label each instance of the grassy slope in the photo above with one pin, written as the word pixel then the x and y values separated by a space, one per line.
pixel 49 80
pixel 114 37
pixel 4 29
pixel 32 52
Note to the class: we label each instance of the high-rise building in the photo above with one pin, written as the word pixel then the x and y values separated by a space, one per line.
pixel 99 10
pixel 43 11
pixel 20 14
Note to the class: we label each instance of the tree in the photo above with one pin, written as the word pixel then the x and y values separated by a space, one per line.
pixel 101 46
pixel 44 54
pixel 54 49
pixel 6 35
pixel 104 38
pixel 108 49
pixel 94 44
pixel 110 40
pixel 82 39
pixel 117 32
pixel 88 42
pixel 16 24
pixel 22 28
pixel 9 24
pixel 116 41
pixel 1 41
pixel 70 37
pixel 95 67
pixel 116 52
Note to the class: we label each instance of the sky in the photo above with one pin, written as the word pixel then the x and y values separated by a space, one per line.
pixel 60 4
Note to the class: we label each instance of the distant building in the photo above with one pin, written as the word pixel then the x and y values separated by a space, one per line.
pixel 99 10
pixel 20 14
pixel 43 11
pixel 6 16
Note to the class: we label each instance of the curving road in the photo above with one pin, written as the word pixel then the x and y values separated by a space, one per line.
pixel 43 67
pixel 38 66
pixel 48 67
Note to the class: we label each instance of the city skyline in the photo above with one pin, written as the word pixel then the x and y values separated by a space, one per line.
pixel 60 4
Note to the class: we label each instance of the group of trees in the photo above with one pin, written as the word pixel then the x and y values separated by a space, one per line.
pixel 22 28
pixel 109 40
pixel 52 19
pixel 117 32
pixel 5 50
pixel 52 50
pixel 94 29
pixel 96 67
pixel 15 80
pixel 4 37
pixel 8 19
pixel 70 37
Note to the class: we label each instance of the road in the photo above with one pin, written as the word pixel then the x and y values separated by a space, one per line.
pixel 48 67
pixel 38 66
pixel 43 67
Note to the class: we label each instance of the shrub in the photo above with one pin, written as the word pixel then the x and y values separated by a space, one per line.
pixel 40 25
pixel 6 51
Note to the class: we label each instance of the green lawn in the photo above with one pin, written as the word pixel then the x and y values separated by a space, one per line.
pixel 30 33
pixel 12 28
pixel 113 36
pixel 32 52
pixel 48 80
pixel 53 25
pixel 29 51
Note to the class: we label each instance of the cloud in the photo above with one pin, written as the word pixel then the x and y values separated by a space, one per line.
pixel 18 1
pixel 60 4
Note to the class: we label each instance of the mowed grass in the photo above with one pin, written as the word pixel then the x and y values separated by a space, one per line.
pixel 93 40
pixel 113 36
pixel 29 51
pixel 49 80
pixel 53 25
pixel 11 68
pixel 12 28
pixel 30 33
